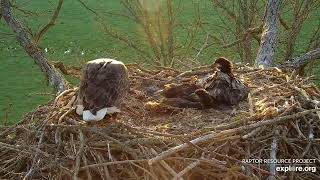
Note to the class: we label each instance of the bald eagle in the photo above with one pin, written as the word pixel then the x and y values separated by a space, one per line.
pixel 104 83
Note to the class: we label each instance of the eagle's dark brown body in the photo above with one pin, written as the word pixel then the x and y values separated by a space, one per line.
pixel 104 83
pixel 220 88
pixel 181 95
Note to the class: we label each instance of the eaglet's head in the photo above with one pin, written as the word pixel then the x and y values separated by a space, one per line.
pixel 224 65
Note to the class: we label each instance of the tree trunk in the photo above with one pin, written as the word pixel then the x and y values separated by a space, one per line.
pixel 54 77
pixel 270 35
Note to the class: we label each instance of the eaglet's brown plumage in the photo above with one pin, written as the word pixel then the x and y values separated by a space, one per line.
pixel 104 83
pixel 222 87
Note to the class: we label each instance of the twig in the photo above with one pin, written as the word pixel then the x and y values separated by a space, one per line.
pixel 252 133
pixel 187 169
pixel 36 159
pixel 296 126
pixel 152 174
pixel 9 129
pixel 63 93
pixel 273 154
pixel 79 156
pixel 23 149
pixel 85 162
pixel 114 163
pixel 125 148
pixel 229 132
pixel 109 152
pixel 64 115
pixel 202 47
pixel 40 34
pixel 166 166
pixel 251 106
pixel 105 168
pixel 310 139
pixel 248 32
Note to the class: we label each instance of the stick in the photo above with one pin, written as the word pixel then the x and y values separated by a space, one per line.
pixel 62 94
pixel 84 159
pixel 64 115
pixel 251 106
pixel 51 23
pixel 113 163
pixel 187 169
pixel 79 155
pixel 252 133
pixel 214 136
pixel 166 166
pixel 36 159
pixel 105 169
pixel 273 154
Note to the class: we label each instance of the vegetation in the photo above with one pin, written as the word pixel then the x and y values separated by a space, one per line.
pixel 80 35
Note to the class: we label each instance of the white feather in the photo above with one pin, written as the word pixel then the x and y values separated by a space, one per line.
pixel 88 116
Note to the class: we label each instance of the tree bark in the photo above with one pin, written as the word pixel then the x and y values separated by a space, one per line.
pixel 302 60
pixel 269 37
pixel 54 77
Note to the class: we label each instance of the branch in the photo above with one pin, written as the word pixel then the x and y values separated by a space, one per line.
pixel 302 60
pixel 166 166
pixel 283 23
pixel 186 170
pixel 223 6
pixel 202 48
pixel 24 11
pixel 214 136
pixel 54 77
pixel 67 70
pixel 250 31
pixel 40 34
pixel 273 154
pixel 115 34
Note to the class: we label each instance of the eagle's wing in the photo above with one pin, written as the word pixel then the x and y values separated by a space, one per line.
pixel 226 90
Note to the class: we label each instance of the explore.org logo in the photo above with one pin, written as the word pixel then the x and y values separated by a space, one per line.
pixel 296 169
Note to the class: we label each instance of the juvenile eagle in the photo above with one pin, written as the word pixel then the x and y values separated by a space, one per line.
pixel 104 83
pixel 222 87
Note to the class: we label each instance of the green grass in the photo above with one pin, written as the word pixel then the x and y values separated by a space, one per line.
pixel 23 86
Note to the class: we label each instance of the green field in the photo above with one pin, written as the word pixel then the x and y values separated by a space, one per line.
pixel 78 37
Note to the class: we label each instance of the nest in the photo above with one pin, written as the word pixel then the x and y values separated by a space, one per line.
pixel 151 140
